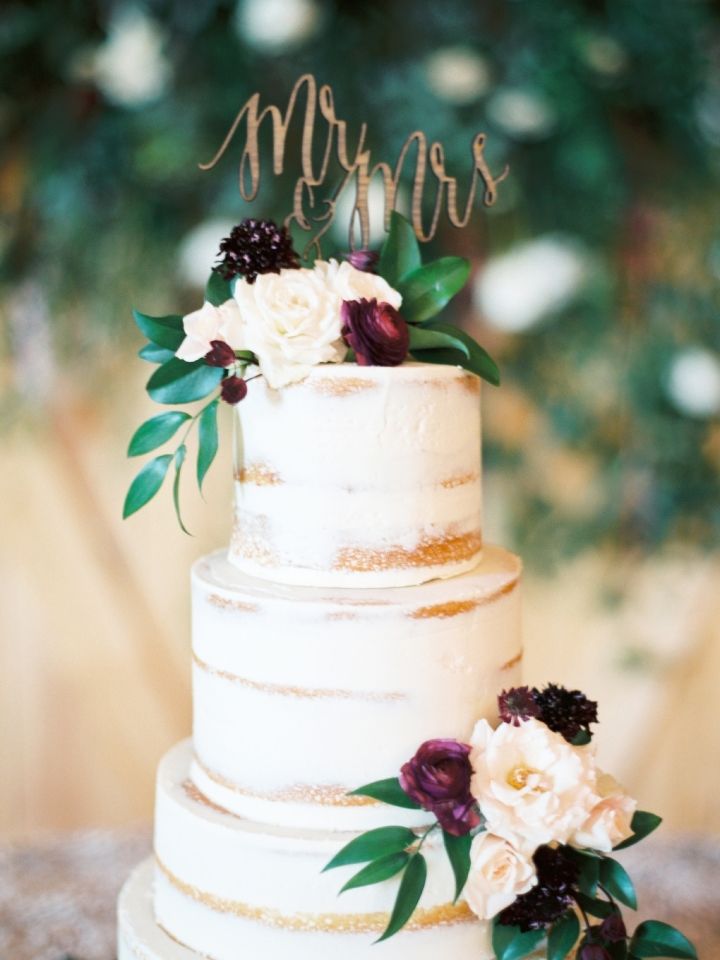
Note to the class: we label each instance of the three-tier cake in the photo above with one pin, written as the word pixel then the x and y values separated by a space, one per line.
pixel 364 768
pixel 356 613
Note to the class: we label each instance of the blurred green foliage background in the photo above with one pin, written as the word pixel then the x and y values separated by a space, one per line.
pixel 596 274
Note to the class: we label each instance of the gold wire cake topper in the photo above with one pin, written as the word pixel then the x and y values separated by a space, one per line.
pixel 356 165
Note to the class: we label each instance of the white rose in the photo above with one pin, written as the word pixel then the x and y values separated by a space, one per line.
pixel 292 323
pixel 353 284
pixel 533 787
pixel 211 323
pixel 610 819
pixel 498 874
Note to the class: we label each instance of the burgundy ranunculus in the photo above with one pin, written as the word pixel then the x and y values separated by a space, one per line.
pixel 233 390
pixel 365 260
pixel 220 354
pixel 438 778
pixel 376 332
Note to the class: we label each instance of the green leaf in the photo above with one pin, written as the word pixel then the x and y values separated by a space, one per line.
pixel 408 896
pixel 146 484
pixel 563 936
pixel 378 870
pixel 656 939
pixel 458 851
pixel 180 455
pixel 589 875
pixel 581 739
pixel 387 791
pixel 425 339
pixel 478 361
pixel 616 880
pixel 165 332
pixel 512 943
pixel 217 289
pixel 594 906
pixel 154 354
pixel 429 288
pixel 156 431
pixel 400 254
pixel 373 845
pixel 179 382
pixel 207 440
pixel 642 824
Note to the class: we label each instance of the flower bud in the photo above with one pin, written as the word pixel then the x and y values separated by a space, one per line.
pixel 233 390
pixel 365 260
pixel 220 354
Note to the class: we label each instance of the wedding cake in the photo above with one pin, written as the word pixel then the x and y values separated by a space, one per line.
pixel 356 614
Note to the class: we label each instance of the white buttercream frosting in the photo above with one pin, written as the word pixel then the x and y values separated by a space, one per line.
pixel 224 884
pixel 359 476
pixel 301 694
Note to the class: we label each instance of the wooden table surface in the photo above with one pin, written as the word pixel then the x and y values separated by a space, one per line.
pixel 57 895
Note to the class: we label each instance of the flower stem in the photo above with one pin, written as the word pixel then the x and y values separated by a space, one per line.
pixel 427 833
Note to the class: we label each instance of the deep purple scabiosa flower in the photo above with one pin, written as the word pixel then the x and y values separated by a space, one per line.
pixel 438 778
pixel 568 712
pixel 550 897
pixel 233 390
pixel 220 354
pixel 256 246
pixel 517 704
pixel 375 332
pixel 365 260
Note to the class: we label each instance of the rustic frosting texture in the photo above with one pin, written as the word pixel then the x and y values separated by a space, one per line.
pixel 359 477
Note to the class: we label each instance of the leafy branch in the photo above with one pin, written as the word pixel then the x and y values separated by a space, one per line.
pixel 426 290
pixel 154 433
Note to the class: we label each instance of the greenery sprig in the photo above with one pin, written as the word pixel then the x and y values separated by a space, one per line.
pixel 426 290
pixel 177 382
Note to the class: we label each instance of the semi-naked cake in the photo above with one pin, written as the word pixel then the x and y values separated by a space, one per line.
pixel 347 484
pixel 365 771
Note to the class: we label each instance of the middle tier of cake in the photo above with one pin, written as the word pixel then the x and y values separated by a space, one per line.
pixel 303 694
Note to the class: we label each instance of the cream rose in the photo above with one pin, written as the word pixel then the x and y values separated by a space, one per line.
pixel 498 874
pixel 352 284
pixel 610 819
pixel 532 786
pixel 211 323
pixel 291 322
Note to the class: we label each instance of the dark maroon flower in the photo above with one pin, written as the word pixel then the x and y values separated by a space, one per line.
pixel 548 900
pixel 256 246
pixel 518 703
pixel 376 332
pixel 568 712
pixel 593 951
pixel 220 354
pixel 555 868
pixel 365 260
pixel 438 778
pixel 233 390
pixel 612 929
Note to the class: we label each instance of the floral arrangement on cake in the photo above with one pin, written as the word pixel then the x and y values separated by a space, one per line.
pixel 528 822
pixel 264 315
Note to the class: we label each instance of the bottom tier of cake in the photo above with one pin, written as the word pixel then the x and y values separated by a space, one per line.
pixel 226 888
pixel 139 936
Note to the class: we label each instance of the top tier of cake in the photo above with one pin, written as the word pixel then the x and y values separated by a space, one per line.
pixel 359 477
